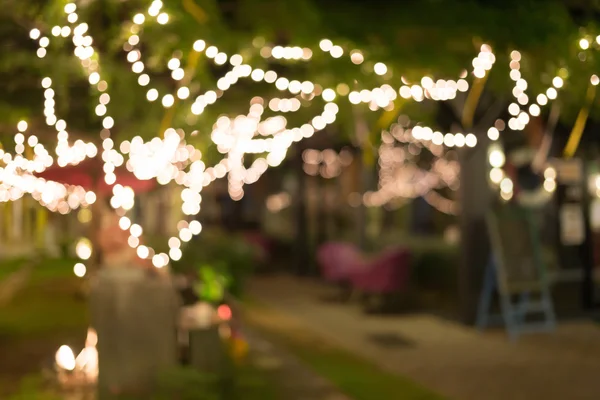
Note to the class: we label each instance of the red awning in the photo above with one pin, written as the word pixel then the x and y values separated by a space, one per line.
pixel 90 175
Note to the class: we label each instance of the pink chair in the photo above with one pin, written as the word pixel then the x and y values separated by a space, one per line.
pixel 386 274
pixel 338 260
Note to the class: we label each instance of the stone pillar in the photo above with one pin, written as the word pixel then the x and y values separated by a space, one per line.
pixel 135 317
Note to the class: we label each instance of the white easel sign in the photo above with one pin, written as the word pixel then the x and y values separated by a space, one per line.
pixel 572 227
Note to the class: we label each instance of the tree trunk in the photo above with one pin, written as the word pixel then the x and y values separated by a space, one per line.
pixel 361 210
pixel 322 216
pixel 95 226
pixel 475 196
pixel 301 243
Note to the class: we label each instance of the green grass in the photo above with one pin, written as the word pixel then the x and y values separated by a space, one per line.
pixel 7 267
pixel 48 303
pixel 46 313
pixel 356 377
pixel 30 388
pixel 49 311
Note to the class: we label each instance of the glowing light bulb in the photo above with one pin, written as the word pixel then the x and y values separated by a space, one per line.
pixel 162 18
pixel 380 68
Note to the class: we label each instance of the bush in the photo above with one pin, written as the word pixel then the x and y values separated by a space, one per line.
pixel 186 383
pixel 435 269
pixel 219 258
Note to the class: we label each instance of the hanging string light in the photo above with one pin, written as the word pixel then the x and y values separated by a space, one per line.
pixel 171 158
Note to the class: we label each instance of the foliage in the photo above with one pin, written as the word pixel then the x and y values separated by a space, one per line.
pixel 435 37
pixel 435 269
pixel 221 259
pixel 213 281
pixel 185 383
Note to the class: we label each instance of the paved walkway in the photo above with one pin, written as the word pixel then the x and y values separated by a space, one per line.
pixel 452 359
pixel 295 381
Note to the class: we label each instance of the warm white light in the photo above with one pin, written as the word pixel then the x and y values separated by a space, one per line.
pixel 152 95
pixel 162 18
pixel 173 63
pixel 356 57
pixel 336 51
pixel 584 44
pixel 143 252
pixel 550 185
pixel 139 19
pixel 325 44
pixel 83 249
pixel 195 227
pixel 168 100
pixel 542 99
pixel 70 8
pixel 124 223
pixel 135 230
pixel 143 80
pixel 557 82
pixel 108 122
pixel 183 93
pixel 178 74
pixel 328 94
pixel 137 67
pixel 380 68
pixel 471 140
pixel 199 45
pixel 493 133
pixel 185 234
pixel 497 158
pixel 175 254
pixel 496 175
pixel 506 185
pixel 65 358
pixel 79 269
pixel 534 110
pixel 550 173
pixel 34 34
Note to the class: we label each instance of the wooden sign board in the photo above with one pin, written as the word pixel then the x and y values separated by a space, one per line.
pixel 568 171
pixel 516 268
pixel 517 248
pixel 572 224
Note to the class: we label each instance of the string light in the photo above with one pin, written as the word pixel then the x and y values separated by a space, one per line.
pixel 168 159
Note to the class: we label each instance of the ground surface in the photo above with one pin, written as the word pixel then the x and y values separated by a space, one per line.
pixel 453 360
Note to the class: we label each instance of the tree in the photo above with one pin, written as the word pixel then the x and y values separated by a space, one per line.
pixel 393 34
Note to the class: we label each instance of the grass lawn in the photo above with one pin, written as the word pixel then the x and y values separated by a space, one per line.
pixel 356 377
pixel 45 314
pixel 50 311
pixel 7 267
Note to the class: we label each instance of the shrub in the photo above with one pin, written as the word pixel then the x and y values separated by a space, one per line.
pixel 221 259
pixel 186 383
